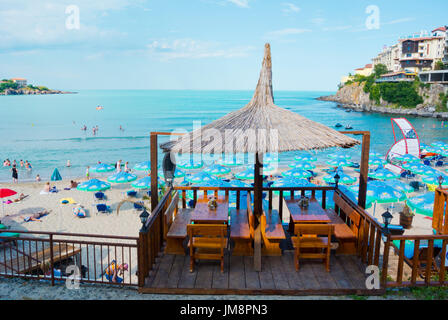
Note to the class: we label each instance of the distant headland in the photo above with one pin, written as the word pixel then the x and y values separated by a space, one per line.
pixel 19 86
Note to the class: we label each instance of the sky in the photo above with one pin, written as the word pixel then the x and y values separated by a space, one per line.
pixel 201 44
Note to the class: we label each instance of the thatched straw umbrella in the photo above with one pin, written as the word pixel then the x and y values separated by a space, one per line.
pixel 260 127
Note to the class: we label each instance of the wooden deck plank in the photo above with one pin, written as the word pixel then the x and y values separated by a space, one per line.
pixel 324 278
pixel 309 279
pixel 278 273
pixel 161 277
pixel 237 278
pixel 356 277
pixel 176 271
pixel 266 278
pixel 294 278
pixel 252 278
pixel 204 277
pixel 187 278
pixel 339 274
pixel 220 280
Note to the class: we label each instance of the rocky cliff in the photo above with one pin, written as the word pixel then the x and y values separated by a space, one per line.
pixel 28 91
pixel 353 97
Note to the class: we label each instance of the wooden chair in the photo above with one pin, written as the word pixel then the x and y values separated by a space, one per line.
pixel 313 238
pixel 208 242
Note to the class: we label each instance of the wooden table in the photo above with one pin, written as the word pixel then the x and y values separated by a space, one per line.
pixel 313 214
pixel 202 213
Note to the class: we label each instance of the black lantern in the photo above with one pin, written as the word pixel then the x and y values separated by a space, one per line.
pixel 169 168
pixel 387 219
pixel 336 179
pixel 440 179
pixel 144 216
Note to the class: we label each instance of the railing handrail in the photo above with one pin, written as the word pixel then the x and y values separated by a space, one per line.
pixel 158 209
pixel 68 234
pixel 419 237
pixel 316 188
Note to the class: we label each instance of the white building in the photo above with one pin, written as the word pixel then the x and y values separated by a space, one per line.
pixel 20 81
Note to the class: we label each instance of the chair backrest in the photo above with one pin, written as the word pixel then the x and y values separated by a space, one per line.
pixel 207 230
pixel 251 217
pixel 171 212
pixel 101 207
pixel 326 230
pixel 349 212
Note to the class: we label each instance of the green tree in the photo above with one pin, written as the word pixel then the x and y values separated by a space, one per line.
pixel 439 66
pixel 380 69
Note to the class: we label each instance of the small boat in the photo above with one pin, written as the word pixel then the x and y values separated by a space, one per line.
pixel 348 127
pixel 338 125
pixel 99 108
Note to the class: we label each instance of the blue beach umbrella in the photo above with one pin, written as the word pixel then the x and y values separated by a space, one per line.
pixel 102 167
pixel 339 156
pixel 302 165
pixel 416 168
pixel 56 176
pixel 238 184
pixel 400 185
pixel 434 180
pixel 202 177
pixel 217 170
pixel 440 144
pixel 428 171
pixel 339 163
pixel 291 183
pixel 269 158
pixel 122 177
pixel 190 164
pixel 296 174
pixel 383 174
pixel 232 160
pixel 177 174
pixel 422 204
pixel 407 158
pixel 378 191
pixel 143 166
pixel 305 157
pixel 247 174
pixel 374 161
pixel 344 179
pixel 145 183
pixel 374 154
pixel 93 185
pixel 352 193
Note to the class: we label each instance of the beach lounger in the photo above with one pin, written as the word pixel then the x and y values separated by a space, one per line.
pixel 132 193
pixel 102 208
pixel 100 196
pixel 138 206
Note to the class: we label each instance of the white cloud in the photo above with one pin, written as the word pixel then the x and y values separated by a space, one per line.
pixel 240 3
pixel 286 32
pixel 290 8
pixel 194 49
pixel 399 21
pixel 318 21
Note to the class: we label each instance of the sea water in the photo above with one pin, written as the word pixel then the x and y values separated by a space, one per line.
pixel 46 129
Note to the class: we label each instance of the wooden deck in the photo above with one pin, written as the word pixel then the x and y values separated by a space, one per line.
pixel 171 275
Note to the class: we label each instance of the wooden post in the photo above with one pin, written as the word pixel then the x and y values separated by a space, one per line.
pixel 364 169
pixel 258 209
pixel 154 174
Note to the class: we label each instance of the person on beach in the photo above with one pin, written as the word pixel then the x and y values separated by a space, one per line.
pixel 20 198
pixel 28 165
pixel 126 167
pixel 21 163
pixel 118 166
pixel 79 211
pixel 14 163
pixel 7 163
pixel 36 216
pixel 73 184
pixel 47 187
pixel 15 174
pixel 112 272
pixel 68 165
pixel 38 179
pixel 88 173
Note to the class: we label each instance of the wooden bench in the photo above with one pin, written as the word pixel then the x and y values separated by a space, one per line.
pixel 271 231
pixel 175 227
pixel 345 233
pixel 240 232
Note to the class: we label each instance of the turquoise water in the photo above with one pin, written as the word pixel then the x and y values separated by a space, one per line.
pixel 45 130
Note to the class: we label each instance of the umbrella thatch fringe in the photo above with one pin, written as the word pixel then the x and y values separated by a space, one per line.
pixel 260 127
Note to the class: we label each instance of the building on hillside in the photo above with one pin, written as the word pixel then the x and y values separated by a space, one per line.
pixel 20 81
pixel 366 71
pixel 390 57
pixel 422 51
pixel 397 77
pixel 434 76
